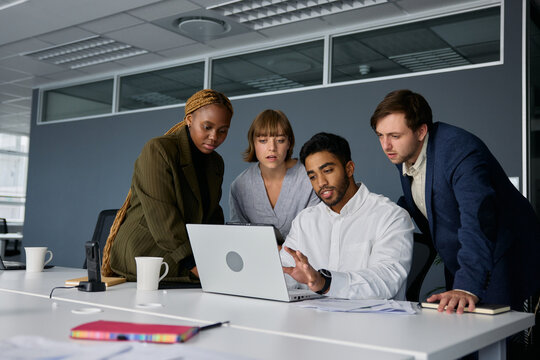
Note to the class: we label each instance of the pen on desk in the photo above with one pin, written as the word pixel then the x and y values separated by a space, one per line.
pixel 218 324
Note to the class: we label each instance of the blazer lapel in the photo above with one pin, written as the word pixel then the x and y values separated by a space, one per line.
pixel 430 160
pixel 187 166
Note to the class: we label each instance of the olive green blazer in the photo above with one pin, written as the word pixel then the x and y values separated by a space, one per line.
pixel 165 196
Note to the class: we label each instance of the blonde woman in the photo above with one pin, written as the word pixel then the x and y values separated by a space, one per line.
pixel 177 180
pixel 276 188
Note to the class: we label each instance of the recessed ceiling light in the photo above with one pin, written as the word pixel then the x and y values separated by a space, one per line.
pixel 86 52
pixel 261 14
pixel 202 26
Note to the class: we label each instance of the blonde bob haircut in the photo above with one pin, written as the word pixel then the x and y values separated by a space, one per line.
pixel 269 123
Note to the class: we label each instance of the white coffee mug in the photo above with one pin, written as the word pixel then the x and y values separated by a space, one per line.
pixel 148 269
pixel 35 258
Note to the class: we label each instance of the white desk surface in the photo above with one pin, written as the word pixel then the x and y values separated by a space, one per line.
pixel 27 310
pixel 52 319
pixel 427 335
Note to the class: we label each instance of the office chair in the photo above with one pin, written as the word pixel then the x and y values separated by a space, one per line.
pixel 103 227
pixel 3 226
pixel 423 255
pixel 9 250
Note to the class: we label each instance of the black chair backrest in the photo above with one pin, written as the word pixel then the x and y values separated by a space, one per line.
pixel 103 227
pixel 3 226
pixel 423 255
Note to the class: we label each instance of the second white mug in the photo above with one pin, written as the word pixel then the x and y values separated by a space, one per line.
pixel 35 258
pixel 148 269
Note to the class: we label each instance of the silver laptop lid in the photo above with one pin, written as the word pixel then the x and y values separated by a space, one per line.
pixel 238 260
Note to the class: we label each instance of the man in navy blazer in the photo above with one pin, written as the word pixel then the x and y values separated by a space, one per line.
pixel 486 232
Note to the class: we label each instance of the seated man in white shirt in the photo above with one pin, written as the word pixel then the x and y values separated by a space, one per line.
pixel 360 242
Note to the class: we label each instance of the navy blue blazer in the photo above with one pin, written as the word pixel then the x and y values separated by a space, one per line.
pixel 485 231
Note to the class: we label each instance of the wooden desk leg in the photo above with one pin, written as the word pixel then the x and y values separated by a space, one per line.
pixel 495 351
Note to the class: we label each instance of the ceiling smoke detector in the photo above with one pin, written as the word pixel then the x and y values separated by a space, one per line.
pixel 201 26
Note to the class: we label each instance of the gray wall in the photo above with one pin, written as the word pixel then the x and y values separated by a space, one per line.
pixel 78 168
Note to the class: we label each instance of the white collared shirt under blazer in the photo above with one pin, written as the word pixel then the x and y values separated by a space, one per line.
pixel 367 247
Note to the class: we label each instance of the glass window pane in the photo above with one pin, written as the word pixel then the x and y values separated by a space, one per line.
pixel 78 101
pixel 14 165
pixel 162 87
pixel 270 70
pixel 17 143
pixel 457 40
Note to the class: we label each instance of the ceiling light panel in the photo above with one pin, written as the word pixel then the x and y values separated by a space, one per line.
pixel 86 52
pixel 430 60
pixel 261 14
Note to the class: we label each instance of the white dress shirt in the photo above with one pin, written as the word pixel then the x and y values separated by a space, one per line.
pixel 418 173
pixel 367 247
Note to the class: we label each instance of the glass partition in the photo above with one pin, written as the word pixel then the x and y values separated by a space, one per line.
pixel 283 68
pixel 464 39
pixel 78 101
pixel 161 87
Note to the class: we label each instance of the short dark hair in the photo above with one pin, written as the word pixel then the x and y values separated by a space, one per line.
pixel 269 123
pixel 332 143
pixel 415 108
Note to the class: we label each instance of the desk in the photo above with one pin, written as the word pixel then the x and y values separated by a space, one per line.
pixel 4 239
pixel 427 335
pixel 26 313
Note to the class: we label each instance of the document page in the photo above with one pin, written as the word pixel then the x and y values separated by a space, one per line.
pixel 364 306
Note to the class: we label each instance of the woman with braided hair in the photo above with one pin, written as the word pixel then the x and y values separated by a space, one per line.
pixel 176 180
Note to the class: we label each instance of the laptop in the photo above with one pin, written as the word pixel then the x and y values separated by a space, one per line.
pixel 16 265
pixel 241 260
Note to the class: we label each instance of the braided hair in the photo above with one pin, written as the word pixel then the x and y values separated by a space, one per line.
pixel 195 102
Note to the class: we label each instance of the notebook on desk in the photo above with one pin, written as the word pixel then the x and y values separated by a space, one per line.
pixel 241 260
pixel 16 265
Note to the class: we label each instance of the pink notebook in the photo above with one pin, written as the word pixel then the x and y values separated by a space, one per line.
pixel 126 331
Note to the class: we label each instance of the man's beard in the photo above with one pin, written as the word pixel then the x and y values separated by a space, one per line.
pixel 340 190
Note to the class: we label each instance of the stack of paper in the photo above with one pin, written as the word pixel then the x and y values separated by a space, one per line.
pixel 360 306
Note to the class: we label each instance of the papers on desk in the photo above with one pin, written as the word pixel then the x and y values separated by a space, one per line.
pixel 360 306
pixel 36 347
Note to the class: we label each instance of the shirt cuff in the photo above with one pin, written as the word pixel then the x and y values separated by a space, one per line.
pixel 465 291
pixel 339 281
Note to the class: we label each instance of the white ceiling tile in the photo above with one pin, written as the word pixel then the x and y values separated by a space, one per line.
pixel 364 16
pixel 298 28
pixel 29 65
pixel 13 109
pixel 66 35
pixel 6 97
pixel 32 82
pixel 15 90
pixel 163 9
pixel 65 75
pixel 38 17
pixel 186 51
pixel 206 3
pixel 24 103
pixel 7 75
pixel 150 37
pixel 234 41
pixel 141 60
pixel 111 23
pixel 104 68
pixel 22 46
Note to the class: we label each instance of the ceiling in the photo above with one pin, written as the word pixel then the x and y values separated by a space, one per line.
pixel 146 25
